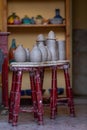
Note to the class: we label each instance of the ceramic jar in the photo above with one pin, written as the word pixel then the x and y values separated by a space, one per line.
pixel 27 54
pixel 20 54
pixel 13 19
pixel 57 18
pixel 35 54
pixel 26 20
pixel 61 50
pixel 53 48
pixel 43 50
pixel 40 37
pixel 51 35
pixel 11 51
pixel 49 57
pixel 39 19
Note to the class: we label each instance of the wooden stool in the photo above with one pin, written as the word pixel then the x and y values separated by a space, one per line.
pixel 54 95
pixel 35 80
pixel 36 72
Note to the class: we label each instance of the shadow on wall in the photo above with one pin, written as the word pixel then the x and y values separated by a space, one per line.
pixel 80 62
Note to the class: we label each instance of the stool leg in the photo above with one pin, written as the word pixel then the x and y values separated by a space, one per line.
pixel 39 96
pixel 34 98
pixel 53 98
pixel 69 92
pixel 17 98
pixel 12 96
pixel 42 77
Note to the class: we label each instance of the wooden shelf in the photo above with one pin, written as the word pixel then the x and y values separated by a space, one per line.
pixel 36 25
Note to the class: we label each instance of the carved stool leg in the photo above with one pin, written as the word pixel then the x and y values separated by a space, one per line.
pixel 12 97
pixel 42 78
pixel 53 98
pixel 34 98
pixel 69 91
pixel 39 96
pixel 17 98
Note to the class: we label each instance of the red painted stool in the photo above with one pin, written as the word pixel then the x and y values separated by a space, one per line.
pixel 35 80
pixel 54 99
pixel 36 72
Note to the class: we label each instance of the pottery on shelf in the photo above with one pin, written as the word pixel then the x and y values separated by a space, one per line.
pixel 61 49
pixel 35 54
pixel 20 54
pixel 39 19
pixel 11 51
pixel 26 20
pixel 27 54
pixel 32 20
pixel 13 19
pixel 58 19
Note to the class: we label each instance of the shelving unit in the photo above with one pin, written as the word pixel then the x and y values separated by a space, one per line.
pixel 35 25
pixel 44 7
pixel 26 34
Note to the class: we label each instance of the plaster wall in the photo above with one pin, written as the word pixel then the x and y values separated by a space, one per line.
pixel 79 47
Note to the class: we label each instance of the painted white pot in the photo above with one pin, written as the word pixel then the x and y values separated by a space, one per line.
pixel 20 54
pixel 53 48
pixel 51 35
pixel 61 50
pixel 35 54
pixel 49 57
pixel 40 37
pixel 43 50
pixel 27 54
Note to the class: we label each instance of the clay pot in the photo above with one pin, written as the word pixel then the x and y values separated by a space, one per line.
pixel 51 35
pixel 20 54
pixel 27 54
pixel 12 50
pixel 43 50
pixel 53 48
pixel 49 57
pixel 40 37
pixel 61 49
pixel 35 54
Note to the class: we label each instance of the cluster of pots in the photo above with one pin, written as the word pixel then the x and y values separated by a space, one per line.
pixel 43 50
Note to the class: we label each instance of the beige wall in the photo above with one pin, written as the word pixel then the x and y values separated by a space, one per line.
pixel 79 10
pixel 0 14
pixel 27 37
pixel 0 26
pixel 79 19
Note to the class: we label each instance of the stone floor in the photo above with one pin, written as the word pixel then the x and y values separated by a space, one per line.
pixel 62 122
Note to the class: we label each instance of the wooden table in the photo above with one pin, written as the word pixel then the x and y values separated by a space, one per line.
pixel 35 70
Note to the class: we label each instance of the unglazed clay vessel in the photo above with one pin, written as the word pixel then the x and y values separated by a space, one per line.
pixel 20 54
pixel 35 54
pixel 43 50
pixel 27 54
pixel 49 57
pixel 53 48
pixel 40 37
pixel 51 35
pixel 52 45
pixel 61 49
